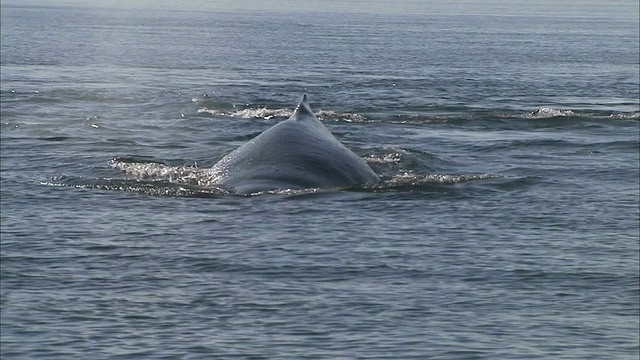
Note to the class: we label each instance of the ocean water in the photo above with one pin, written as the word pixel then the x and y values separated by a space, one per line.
pixel 506 226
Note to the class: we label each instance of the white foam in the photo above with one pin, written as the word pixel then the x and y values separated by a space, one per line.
pixel 348 117
pixel 392 158
pixel 267 113
pixel 410 179
pixel 190 175
pixel 211 111
pixel 548 112
pixel 262 113
pixel 630 116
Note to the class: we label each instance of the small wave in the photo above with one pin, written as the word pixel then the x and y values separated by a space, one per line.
pixel 418 119
pixel 150 178
pixel 267 114
pixel 391 160
pixel 548 112
pixel 573 114
pixel 211 111
pixel 294 192
pixel 153 188
pixel 439 179
pixel 187 175
pixel 258 113
pixel 348 117
pixel 626 116
pixel 417 182
pixel 384 159
pixel 393 154
pixel 262 113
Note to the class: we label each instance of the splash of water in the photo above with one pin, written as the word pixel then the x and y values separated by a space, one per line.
pixel 188 175
pixel 548 112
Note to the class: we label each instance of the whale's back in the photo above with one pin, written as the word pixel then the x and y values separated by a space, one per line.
pixel 297 153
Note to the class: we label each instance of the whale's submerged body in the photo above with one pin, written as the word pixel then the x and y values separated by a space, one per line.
pixel 298 153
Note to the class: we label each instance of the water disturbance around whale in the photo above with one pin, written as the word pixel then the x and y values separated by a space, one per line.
pixel 505 224
pixel 297 153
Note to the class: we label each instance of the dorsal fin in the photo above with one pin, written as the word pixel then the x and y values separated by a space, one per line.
pixel 303 107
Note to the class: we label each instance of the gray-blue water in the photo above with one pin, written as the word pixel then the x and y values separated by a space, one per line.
pixel 506 226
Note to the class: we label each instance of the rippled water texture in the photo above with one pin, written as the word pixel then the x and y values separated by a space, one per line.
pixel 505 226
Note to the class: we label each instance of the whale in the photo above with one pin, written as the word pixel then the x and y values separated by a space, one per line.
pixel 297 153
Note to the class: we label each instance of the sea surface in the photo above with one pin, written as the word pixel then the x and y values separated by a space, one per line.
pixel 507 136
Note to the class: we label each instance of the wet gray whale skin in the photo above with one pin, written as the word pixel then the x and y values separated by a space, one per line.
pixel 298 153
